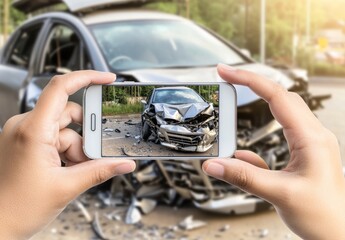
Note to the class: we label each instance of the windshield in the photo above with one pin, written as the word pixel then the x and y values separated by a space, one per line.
pixel 176 96
pixel 144 44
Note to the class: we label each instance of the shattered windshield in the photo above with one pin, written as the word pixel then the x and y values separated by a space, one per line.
pixel 129 45
pixel 176 96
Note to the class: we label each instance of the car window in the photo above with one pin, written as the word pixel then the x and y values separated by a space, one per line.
pixel 176 96
pixel 64 52
pixel 129 45
pixel 22 50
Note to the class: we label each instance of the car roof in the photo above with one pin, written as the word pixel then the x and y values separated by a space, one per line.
pixel 28 6
pixel 115 15
pixel 172 88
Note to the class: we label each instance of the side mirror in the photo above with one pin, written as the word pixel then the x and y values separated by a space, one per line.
pixel 246 53
pixel 143 101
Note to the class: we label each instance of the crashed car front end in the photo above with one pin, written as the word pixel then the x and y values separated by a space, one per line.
pixel 183 139
pixel 185 127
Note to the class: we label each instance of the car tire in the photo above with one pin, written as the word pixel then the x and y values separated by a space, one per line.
pixel 145 131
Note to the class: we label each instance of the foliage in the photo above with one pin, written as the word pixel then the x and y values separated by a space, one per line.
pixel 239 21
pixel 121 94
pixel 16 18
pixel 126 99
pixel 118 109
pixel 327 69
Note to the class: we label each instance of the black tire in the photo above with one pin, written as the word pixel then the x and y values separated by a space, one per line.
pixel 145 131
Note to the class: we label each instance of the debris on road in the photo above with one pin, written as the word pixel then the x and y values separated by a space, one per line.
pixel 145 205
pixel 225 228
pixel 97 228
pixel 263 233
pixel 108 130
pixel 133 215
pixel 83 210
pixel 189 223
pixel 130 122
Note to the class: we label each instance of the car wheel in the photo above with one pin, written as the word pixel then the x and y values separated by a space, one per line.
pixel 145 131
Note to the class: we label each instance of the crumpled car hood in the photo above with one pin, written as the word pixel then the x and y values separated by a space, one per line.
pixel 209 74
pixel 180 112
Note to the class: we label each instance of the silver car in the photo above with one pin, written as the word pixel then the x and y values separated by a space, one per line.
pixel 144 46
pixel 180 119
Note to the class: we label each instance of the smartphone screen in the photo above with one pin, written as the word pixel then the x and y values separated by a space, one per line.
pixel 160 121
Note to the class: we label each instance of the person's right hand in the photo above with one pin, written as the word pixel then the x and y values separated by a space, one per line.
pixel 309 194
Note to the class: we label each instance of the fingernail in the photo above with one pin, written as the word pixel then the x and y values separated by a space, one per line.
pixel 215 169
pixel 227 67
pixel 124 168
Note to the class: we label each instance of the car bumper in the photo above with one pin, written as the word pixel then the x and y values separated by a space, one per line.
pixel 182 139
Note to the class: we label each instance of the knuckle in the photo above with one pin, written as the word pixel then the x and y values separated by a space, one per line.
pixel 278 91
pixel 74 108
pixel 11 122
pixel 22 133
pixel 101 176
pixel 55 79
pixel 242 178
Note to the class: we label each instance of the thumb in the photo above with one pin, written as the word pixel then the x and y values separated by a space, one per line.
pixel 85 175
pixel 252 179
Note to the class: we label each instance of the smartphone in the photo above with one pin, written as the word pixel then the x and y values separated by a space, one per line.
pixel 145 121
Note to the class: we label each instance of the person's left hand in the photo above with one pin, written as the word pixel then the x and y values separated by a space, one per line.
pixel 34 188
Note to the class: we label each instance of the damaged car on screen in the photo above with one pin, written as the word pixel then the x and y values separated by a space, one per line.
pixel 180 119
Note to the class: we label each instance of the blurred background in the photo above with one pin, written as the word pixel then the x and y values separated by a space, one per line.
pixel 300 43
pixel 308 33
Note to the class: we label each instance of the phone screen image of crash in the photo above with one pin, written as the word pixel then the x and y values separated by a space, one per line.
pixel 160 121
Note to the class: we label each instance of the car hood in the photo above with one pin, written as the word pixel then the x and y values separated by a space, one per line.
pixel 209 74
pixel 180 112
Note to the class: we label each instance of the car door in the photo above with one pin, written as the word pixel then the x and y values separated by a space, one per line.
pixel 63 51
pixel 16 60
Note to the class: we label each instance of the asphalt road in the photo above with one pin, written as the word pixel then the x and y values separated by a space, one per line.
pixel 263 225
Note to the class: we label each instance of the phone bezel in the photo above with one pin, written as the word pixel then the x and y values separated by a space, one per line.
pixel 92 104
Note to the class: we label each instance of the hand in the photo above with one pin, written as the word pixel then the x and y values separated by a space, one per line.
pixel 34 188
pixel 309 194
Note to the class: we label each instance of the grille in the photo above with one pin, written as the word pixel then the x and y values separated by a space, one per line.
pixel 184 140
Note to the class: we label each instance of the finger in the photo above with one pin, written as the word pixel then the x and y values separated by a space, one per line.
pixel 288 108
pixel 54 97
pixel 72 113
pixel 13 122
pixel 91 173
pixel 70 146
pixel 252 158
pixel 252 179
